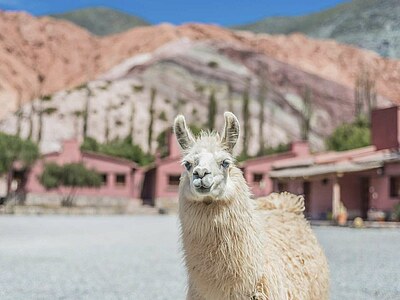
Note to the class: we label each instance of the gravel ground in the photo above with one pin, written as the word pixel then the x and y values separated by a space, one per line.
pixel 57 257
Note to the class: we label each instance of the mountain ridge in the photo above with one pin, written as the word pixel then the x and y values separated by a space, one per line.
pixel 369 24
pixel 101 20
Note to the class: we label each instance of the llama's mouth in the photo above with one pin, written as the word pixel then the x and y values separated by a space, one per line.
pixel 203 189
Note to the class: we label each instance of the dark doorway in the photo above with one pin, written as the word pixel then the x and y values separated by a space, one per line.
pixel 365 196
pixel 149 187
pixel 307 198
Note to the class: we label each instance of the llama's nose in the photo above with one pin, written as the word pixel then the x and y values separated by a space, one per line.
pixel 200 172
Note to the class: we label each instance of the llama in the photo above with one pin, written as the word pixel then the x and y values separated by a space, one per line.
pixel 235 247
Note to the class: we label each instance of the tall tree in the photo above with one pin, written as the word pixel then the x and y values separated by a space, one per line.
pixel 306 114
pixel 40 120
pixel 153 94
pixel 132 122
pixel 262 94
pixel 365 93
pixel 19 112
pixel 246 119
pixel 212 109
pixel 107 125
pixel 230 97
pixel 30 118
pixel 86 110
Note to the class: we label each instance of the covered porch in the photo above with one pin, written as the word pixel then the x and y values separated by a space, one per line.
pixel 331 188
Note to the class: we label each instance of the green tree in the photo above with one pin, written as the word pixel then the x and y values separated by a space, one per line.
pixel 153 94
pixel 86 110
pixel 90 144
pixel 13 148
pixel 262 94
pixel 230 97
pixel 306 114
pixel 70 176
pixel 123 148
pixel 350 136
pixel 365 95
pixel 212 109
pixel 162 142
pixel 19 112
pixel 246 120
pixel 30 118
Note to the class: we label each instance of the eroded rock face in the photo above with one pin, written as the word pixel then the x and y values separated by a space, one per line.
pixel 184 73
pixel 43 55
pixel 40 56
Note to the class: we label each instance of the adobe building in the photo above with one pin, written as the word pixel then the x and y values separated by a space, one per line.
pixel 121 178
pixel 363 180
pixel 161 179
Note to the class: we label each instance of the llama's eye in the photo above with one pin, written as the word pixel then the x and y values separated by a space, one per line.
pixel 187 165
pixel 225 164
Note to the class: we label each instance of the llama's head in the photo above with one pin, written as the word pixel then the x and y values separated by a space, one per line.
pixel 208 159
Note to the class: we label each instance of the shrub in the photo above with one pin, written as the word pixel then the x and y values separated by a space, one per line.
pixel 13 148
pixel 350 136
pixel 123 148
pixel 72 176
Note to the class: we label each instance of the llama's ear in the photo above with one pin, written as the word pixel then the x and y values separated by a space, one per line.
pixel 230 135
pixel 183 134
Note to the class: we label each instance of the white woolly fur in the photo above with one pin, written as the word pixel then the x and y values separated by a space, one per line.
pixel 238 248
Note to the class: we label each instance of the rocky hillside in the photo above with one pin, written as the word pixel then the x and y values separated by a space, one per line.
pixel 181 77
pixel 102 20
pixel 369 24
pixel 108 85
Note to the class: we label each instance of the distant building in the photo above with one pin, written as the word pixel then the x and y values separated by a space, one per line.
pixel 121 178
pixel 256 170
pixel 362 179
pixel 161 179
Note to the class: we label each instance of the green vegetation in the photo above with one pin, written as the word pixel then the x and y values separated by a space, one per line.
pixel 123 148
pixel 350 136
pixel 212 110
pixel 72 176
pixel 86 111
pixel 102 21
pixel 365 95
pixel 262 95
pixel 153 94
pixel 49 110
pixel 163 116
pixel 13 148
pixel 213 64
pixel 246 120
pixel 230 98
pixel 306 114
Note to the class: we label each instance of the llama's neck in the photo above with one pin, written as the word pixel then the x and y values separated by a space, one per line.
pixel 222 244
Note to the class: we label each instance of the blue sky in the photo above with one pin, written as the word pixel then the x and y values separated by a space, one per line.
pixel 223 12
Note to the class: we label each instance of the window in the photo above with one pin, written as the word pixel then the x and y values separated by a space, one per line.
pixel 173 179
pixel 325 181
pixel 104 177
pixel 120 179
pixel 282 186
pixel 395 187
pixel 257 177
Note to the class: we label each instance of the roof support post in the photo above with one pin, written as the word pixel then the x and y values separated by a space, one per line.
pixel 335 198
